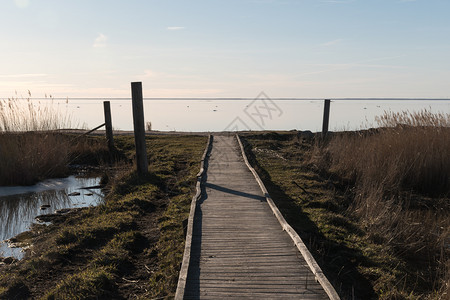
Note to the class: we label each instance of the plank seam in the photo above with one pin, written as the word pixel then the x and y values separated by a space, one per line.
pixel 313 265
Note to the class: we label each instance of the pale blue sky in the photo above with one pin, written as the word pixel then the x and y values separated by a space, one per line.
pixel 226 48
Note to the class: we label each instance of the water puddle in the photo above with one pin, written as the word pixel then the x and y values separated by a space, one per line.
pixel 20 205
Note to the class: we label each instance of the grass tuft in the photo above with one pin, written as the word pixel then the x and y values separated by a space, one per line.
pixel 93 283
pixel 96 228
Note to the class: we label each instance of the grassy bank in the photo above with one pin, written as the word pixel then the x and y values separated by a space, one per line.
pixel 129 247
pixel 372 206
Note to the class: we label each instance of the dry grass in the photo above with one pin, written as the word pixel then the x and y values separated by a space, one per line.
pixel 410 154
pixel 21 115
pixel 373 206
pixel 31 146
pixel 129 247
pixel 401 179
pixel 30 157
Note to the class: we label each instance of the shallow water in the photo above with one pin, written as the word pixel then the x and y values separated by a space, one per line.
pixel 261 113
pixel 20 205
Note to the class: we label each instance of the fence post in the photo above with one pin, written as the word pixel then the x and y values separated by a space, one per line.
pixel 326 116
pixel 108 125
pixel 139 129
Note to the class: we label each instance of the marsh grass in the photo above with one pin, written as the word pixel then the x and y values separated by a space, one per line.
pixel 409 152
pixel 30 149
pixel 373 206
pixel 29 157
pixel 33 148
pixel 401 179
pixel 139 228
pixel 24 114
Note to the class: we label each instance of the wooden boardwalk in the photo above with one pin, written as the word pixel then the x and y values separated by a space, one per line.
pixel 239 249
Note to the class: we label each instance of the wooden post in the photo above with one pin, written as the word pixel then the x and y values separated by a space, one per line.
pixel 139 128
pixel 108 125
pixel 326 116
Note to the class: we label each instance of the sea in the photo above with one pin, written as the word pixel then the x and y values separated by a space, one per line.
pixel 237 114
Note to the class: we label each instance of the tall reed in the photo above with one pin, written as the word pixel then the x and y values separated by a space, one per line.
pixel 401 178
pixel 25 114
pixel 31 149
pixel 410 152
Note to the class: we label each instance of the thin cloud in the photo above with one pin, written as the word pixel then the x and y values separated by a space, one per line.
pixel 22 3
pixel 332 43
pixel 23 75
pixel 358 64
pixel 175 28
pixel 100 41
pixel 269 2
pixel 337 1
pixel 161 75
pixel 150 74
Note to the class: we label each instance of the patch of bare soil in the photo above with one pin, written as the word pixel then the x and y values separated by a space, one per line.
pixel 133 284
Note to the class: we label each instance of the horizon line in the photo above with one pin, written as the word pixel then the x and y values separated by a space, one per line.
pixel 237 98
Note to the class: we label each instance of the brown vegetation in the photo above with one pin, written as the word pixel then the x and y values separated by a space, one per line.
pixel 401 179
pixel 31 146
pixel 129 247
pixel 373 206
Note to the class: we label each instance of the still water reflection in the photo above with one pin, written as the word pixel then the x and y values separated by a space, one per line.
pixel 20 205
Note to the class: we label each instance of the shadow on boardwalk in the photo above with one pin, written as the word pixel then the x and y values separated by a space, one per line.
pixel 239 249
pixel 332 257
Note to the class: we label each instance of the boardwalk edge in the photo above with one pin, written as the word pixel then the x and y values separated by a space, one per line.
pixel 317 271
pixel 181 286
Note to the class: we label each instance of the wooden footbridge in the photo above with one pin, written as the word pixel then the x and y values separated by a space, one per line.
pixel 238 245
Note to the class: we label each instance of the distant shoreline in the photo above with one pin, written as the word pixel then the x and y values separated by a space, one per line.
pixel 240 99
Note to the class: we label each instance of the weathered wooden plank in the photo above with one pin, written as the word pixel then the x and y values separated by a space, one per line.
pixel 243 263
pixel 273 277
pixel 261 254
pixel 239 249
pixel 231 246
pixel 238 255
pixel 250 273
pixel 254 288
pixel 246 268
pixel 232 294
pixel 258 289
pixel 255 278
pixel 246 296
pixel 249 246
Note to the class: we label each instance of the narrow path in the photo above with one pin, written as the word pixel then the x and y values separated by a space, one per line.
pixel 239 249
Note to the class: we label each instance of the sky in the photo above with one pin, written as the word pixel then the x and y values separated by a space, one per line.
pixel 225 48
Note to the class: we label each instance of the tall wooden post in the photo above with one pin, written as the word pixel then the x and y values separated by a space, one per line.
pixel 326 116
pixel 108 125
pixel 139 129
